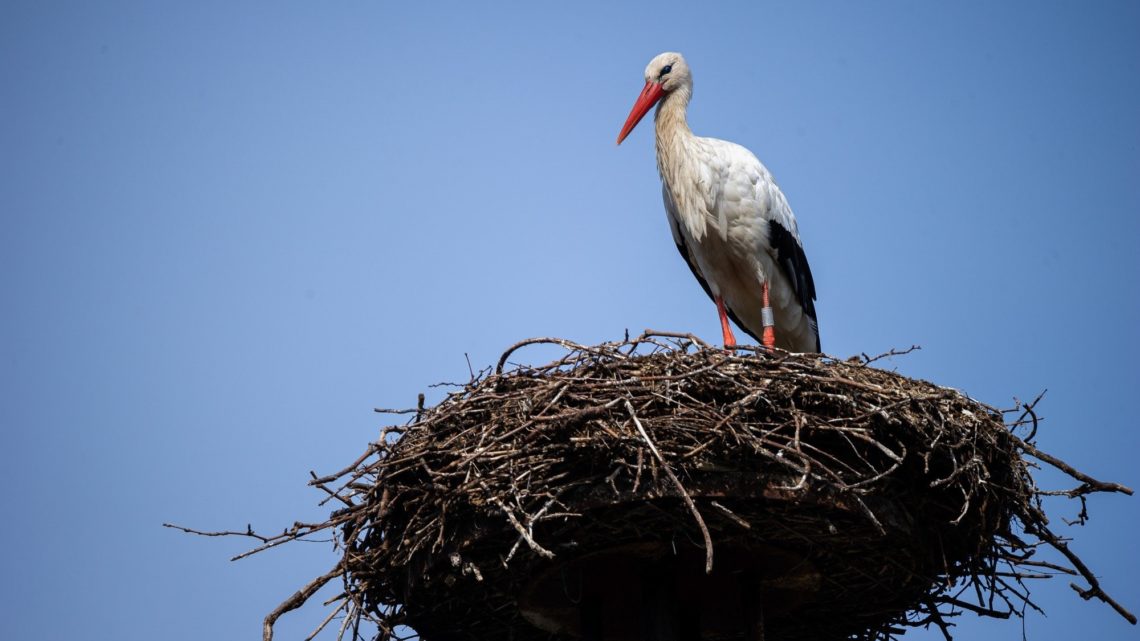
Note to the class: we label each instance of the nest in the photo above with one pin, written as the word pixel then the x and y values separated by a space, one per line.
pixel 847 501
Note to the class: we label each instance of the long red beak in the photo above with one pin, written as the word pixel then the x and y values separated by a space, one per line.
pixel 649 97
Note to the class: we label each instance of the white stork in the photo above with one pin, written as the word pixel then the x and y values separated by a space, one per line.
pixel 730 221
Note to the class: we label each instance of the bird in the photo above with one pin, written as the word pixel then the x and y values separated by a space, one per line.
pixel 730 221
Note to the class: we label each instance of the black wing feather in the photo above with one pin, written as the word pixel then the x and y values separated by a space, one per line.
pixel 791 258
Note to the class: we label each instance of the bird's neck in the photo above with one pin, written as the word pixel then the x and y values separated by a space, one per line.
pixel 673 133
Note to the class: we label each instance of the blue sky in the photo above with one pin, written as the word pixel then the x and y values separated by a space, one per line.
pixel 230 230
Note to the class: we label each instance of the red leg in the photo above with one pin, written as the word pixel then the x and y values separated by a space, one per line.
pixel 729 339
pixel 769 335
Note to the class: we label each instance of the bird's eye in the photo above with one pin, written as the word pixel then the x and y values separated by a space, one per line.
pixel 666 69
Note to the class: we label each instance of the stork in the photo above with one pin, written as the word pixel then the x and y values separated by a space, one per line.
pixel 731 223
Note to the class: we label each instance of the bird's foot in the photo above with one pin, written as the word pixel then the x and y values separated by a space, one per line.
pixel 729 343
pixel 768 339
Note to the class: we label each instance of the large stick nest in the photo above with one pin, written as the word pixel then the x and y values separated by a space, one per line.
pixel 901 503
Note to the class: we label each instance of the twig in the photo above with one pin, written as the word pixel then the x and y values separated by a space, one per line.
pixel 541 551
pixel 732 515
pixel 1090 484
pixel 248 532
pixel 680 488
pixel 867 360
pixel 298 599
pixel 1094 590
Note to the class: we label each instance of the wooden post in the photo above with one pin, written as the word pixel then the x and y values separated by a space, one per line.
pixel 751 607
pixel 660 609
pixel 590 616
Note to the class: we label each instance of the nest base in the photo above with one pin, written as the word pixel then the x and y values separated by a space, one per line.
pixel 623 593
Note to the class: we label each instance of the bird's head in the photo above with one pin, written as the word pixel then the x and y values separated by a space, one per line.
pixel 669 70
pixel 666 73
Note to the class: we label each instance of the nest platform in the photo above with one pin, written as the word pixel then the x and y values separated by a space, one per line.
pixel 660 487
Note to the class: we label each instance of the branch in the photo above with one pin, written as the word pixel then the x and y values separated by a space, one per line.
pixel 1090 484
pixel 298 599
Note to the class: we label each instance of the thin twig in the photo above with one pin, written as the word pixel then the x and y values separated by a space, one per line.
pixel 298 599
pixel 680 488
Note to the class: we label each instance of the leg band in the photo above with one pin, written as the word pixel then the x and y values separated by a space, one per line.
pixel 767 317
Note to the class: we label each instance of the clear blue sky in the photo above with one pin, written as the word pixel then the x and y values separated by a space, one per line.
pixel 230 230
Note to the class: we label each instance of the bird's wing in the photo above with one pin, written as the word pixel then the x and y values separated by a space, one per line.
pixel 784 240
pixel 679 239
pixel 784 243
pixel 748 185
pixel 792 260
